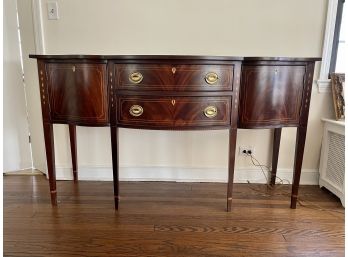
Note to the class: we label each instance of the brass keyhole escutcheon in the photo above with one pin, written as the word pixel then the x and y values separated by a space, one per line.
pixel 136 77
pixel 73 68
pixel 173 70
pixel 210 111
pixel 173 102
pixel 136 110
pixel 211 78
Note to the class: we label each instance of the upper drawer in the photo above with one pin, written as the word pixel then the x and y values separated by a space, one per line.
pixel 179 77
pixel 78 93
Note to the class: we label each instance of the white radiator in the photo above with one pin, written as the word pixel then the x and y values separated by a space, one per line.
pixel 332 158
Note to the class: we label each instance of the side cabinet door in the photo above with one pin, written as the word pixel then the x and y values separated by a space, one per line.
pixel 271 95
pixel 78 93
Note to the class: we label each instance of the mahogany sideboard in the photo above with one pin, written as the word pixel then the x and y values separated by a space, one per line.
pixel 175 93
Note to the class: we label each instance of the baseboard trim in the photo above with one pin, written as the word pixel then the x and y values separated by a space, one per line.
pixel 28 171
pixel 182 174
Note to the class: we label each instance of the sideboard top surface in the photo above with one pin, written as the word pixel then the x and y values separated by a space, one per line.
pixel 172 57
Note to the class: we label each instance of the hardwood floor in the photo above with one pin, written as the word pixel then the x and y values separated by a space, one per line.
pixel 168 219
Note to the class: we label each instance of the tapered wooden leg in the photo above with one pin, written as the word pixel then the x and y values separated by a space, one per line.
pixel 300 144
pixel 231 160
pixel 276 142
pixel 114 149
pixel 73 147
pixel 49 144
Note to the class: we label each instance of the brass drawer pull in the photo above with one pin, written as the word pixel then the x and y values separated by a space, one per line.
pixel 211 78
pixel 136 77
pixel 210 111
pixel 136 110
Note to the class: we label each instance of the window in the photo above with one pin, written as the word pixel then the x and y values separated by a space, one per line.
pixel 334 48
pixel 338 60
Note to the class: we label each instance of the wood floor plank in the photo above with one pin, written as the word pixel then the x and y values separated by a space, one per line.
pixel 168 219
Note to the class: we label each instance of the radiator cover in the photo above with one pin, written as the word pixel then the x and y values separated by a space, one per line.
pixel 332 165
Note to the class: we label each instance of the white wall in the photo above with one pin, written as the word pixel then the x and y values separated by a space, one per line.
pixel 16 134
pixel 292 28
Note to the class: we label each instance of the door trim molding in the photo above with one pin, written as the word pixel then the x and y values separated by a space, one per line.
pixel 38 27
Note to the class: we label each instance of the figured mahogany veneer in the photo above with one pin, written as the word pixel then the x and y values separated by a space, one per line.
pixel 175 92
pixel 175 77
pixel 267 92
pixel 173 112
pixel 78 93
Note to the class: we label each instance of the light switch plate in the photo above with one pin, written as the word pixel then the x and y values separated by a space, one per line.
pixel 52 10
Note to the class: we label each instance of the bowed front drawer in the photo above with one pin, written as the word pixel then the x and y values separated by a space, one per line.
pixel 175 77
pixel 177 112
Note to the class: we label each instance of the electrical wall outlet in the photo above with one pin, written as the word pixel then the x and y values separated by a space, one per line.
pixel 52 10
pixel 246 150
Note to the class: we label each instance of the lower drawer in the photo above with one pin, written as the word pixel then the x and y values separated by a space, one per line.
pixel 176 112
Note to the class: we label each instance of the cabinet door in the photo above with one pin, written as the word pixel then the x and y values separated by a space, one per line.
pixel 271 95
pixel 78 93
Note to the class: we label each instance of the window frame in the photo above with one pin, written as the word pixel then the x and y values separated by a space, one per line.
pixel 330 46
pixel 336 37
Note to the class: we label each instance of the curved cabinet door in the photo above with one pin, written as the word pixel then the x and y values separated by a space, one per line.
pixel 271 95
pixel 78 93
